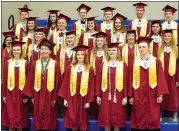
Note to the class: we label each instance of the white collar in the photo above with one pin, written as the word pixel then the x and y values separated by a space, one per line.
pixel 156 38
pixel 17 63
pixel 79 68
pixel 167 49
pixel 100 53
pixel 113 64
pixel 145 63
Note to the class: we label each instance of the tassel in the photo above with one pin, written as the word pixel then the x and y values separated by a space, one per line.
pixel 114 99
pixel 109 96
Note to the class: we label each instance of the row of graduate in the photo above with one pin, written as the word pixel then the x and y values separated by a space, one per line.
pixel 111 88
pixel 108 80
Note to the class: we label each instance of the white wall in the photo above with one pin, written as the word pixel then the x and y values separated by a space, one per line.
pixel 153 10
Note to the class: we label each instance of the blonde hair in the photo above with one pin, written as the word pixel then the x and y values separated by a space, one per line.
pixel 118 55
pixel 21 55
pixel 123 29
pixel 162 47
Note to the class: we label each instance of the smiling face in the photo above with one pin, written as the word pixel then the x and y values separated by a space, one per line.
pixel 140 12
pixel 83 14
pixel 61 24
pixel 70 40
pixel 131 38
pixel 38 36
pixel 100 42
pixel 45 52
pixel 167 38
pixel 118 24
pixel 108 15
pixel 16 51
pixel 168 16
pixel 91 25
pixel 112 52
pixel 31 25
pixel 143 48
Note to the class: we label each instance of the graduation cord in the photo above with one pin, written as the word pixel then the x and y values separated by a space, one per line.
pixel 114 98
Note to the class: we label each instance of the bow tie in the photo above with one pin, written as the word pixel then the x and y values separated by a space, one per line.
pixel 83 22
pixel 61 34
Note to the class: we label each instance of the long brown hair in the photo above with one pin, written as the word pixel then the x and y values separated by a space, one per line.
pixel 75 61
pixel 123 29
pixel 162 47
pixel 95 26
pixel 27 29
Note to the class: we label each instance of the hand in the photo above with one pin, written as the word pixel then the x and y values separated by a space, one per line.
pixel 25 101
pixel 159 99
pixel 32 101
pixel 131 101
pixel 87 105
pixel 124 101
pixel 98 100
pixel 53 103
pixel 65 103
pixel 4 99
pixel 177 84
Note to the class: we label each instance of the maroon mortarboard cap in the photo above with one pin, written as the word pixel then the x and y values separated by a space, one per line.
pixel 39 30
pixel 80 48
pixel 144 39
pixel 131 31
pixel 17 43
pixel 53 11
pixel 169 8
pixel 118 16
pixel 155 22
pixel 140 5
pixel 24 9
pixel 72 32
pixel 106 9
pixel 9 34
pixel 62 16
pixel 31 18
pixel 167 31
pixel 47 43
pixel 83 6
pixel 91 18
pixel 100 34
pixel 113 45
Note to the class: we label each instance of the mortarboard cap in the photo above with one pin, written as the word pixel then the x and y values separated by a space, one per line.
pixel 83 6
pixel 117 15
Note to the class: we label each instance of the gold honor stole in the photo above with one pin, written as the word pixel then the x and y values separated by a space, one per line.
pixel 50 77
pixel 175 33
pixel 55 37
pixel 119 76
pixel 152 73
pixel 18 29
pixel 85 39
pixel 24 46
pixel 172 61
pixel 103 27
pixel 29 51
pixel 84 81
pixel 143 29
pixel 78 30
pixel 125 52
pixel 11 74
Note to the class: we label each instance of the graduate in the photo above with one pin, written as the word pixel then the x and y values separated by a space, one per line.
pixel 42 87
pixel 169 23
pixel 168 54
pixel 81 25
pixel 77 90
pixel 147 89
pixel 20 28
pixel 28 37
pixel 59 36
pixel 87 38
pixel 33 52
pixel 99 50
pixel 15 76
pixel 52 23
pixel 111 90
pixel 156 32
pixel 65 54
pixel 140 24
pixel 119 31
pixel 107 25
